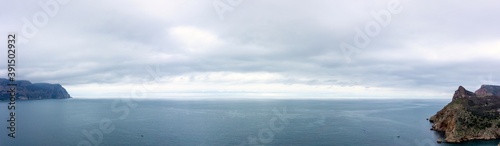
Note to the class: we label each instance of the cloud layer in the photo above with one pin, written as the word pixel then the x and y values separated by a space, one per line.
pixel 285 49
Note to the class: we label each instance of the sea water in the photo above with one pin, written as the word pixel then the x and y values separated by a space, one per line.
pixel 223 122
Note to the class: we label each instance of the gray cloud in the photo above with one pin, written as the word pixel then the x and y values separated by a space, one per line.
pixel 429 46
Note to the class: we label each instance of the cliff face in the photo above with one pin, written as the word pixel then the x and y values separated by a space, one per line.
pixel 470 116
pixel 488 90
pixel 27 91
pixel 462 93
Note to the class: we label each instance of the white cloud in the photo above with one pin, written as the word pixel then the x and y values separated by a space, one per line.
pixel 194 39
pixel 262 48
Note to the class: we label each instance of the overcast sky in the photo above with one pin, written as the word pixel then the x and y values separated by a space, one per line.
pixel 256 48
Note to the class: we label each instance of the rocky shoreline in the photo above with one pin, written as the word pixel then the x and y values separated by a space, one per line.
pixel 470 115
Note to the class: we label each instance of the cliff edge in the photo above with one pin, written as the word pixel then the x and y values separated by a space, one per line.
pixel 31 91
pixel 470 115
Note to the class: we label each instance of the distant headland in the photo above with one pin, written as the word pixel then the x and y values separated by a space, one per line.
pixel 33 91
pixel 470 115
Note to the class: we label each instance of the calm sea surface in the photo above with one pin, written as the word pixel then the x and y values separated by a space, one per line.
pixel 223 122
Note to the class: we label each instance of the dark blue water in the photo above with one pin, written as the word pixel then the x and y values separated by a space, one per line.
pixel 223 122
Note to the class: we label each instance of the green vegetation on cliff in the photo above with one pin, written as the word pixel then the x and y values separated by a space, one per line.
pixel 470 116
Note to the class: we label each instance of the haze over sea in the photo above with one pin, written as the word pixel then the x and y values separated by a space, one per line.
pixel 225 122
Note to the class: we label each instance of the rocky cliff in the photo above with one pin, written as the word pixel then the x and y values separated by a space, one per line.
pixel 28 91
pixel 488 90
pixel 470 116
